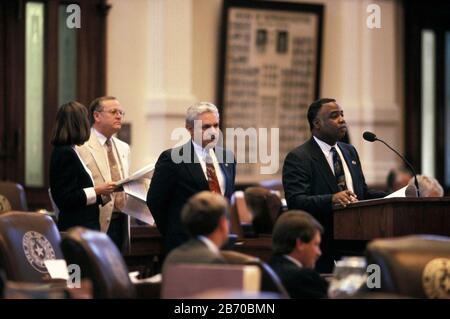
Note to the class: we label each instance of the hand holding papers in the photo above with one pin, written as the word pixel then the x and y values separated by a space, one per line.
pixel 144 172
pixel 136 187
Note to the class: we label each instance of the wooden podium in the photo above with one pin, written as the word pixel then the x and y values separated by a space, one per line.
pixel 358 223
pixel 391 217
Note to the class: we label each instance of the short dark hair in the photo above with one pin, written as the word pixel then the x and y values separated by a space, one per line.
pixel 314 108
pixel 96 105
pixel 72 125
pixel 293 225
pixel 202 212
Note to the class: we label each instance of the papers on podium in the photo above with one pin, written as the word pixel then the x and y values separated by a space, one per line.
pixel 136 187
pixel 407 191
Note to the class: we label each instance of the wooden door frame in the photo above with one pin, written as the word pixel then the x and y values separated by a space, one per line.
pixel 13 87
pixel 420 15
pixel 91 79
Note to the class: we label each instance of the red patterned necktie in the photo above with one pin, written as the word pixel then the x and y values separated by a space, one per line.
pixel 213 182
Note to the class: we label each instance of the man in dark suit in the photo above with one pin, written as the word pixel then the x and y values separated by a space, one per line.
pixel 296 247
pixel 323 172
pixel 183 171
pixel 204 217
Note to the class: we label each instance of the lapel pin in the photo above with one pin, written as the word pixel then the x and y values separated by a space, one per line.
pixel 354 162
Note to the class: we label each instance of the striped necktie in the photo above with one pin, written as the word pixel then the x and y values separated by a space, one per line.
pixel 119 197
pixel 338 170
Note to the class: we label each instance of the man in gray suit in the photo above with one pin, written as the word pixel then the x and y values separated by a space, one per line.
pixel 204 217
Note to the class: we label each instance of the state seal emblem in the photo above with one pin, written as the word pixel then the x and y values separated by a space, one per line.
pixel 436 278
pixel 37 250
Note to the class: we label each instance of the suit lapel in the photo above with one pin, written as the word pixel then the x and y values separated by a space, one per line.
pixel 324 167
pixel 98 153
pixel 195 169
pixel 226 175
pixel 224 166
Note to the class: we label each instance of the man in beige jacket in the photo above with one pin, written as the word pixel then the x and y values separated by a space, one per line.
pixel 108 159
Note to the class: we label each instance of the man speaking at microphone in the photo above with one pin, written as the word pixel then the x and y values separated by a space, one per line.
pixel 323 172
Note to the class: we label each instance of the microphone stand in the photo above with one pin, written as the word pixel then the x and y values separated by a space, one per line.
pixel 407 163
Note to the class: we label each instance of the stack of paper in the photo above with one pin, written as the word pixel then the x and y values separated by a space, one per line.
pixel 136 186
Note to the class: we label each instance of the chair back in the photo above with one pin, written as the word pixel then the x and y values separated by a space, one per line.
pixel 265 207
pixel 275 185
pixel 414 266
pixel 15 194
pixel 238 208
pixel 27 240
pixel 190 280
pixel 100 261
pixel 269 279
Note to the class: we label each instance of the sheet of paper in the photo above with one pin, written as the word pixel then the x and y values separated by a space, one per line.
pixel 137 208
pixel 137 188
pixel 407 191
pixel 57 268
pixel 144 172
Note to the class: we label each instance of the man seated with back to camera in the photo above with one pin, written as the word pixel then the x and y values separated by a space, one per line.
pixel 204 217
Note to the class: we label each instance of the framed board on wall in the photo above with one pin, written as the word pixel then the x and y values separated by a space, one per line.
pixel 269 73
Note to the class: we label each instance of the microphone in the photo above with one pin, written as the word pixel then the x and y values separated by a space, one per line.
pixel 370 137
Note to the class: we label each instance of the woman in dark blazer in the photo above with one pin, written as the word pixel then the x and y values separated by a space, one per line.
pixel 71 185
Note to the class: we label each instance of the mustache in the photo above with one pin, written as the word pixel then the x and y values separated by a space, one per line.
pixel 211 136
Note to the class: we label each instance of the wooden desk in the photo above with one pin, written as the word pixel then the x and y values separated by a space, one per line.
pixel 260 247
pixel 146 250
pixel 367 220
pixel 363 221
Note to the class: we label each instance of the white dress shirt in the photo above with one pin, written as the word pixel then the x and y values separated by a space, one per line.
pixel 326 149
pixel 295 261
pixel 201 155
pixel 211 246
pixel 102 139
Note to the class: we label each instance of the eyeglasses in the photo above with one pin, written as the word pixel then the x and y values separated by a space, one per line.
pixel 114 112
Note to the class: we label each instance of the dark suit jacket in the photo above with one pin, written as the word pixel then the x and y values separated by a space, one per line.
pixel 309 184
pixel 299 282
pixel 68 178
pixel 173 183
pixel 193 251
